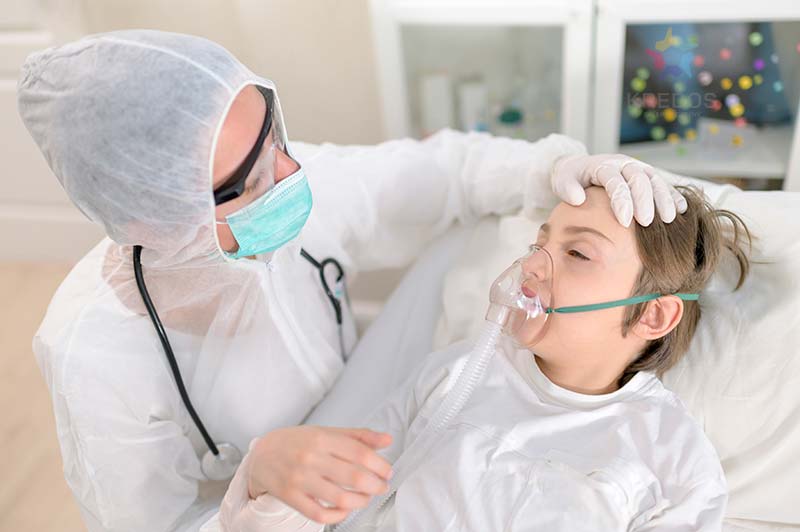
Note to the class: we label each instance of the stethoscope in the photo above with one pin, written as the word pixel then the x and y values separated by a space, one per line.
pixel 335 295
pixel 222 459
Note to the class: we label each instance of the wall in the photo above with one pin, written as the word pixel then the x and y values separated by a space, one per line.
pixel 319 53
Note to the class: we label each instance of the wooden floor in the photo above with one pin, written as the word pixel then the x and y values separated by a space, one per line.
pixel 33 494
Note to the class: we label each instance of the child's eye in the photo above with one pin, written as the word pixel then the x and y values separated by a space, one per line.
pixel 577 254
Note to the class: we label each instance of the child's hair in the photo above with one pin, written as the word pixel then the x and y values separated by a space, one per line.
pixel 680 256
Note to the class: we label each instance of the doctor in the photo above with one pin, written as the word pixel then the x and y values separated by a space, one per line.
pixel 213 312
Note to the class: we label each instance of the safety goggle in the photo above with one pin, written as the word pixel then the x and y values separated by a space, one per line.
pixel 261 155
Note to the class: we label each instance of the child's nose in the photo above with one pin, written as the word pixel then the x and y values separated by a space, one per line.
pixel 538 265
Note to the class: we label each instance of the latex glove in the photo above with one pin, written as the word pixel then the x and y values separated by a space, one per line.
pixel 635 188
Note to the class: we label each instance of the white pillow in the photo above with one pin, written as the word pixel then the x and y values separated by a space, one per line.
pixel 741 376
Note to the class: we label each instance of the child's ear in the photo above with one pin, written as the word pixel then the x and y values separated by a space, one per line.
pixel 661 316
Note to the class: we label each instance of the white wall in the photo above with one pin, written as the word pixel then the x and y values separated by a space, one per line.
pixel 318 52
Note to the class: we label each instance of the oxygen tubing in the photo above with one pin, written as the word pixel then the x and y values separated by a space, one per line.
pixel 468 379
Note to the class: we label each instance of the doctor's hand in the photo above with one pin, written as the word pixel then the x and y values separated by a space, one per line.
pixel 635 188
pixel 322 472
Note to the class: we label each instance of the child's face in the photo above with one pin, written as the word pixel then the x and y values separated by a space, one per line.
pixel 595 260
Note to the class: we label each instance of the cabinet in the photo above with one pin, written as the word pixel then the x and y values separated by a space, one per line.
pixel 706 88
pixel 512 67
pixel 703 88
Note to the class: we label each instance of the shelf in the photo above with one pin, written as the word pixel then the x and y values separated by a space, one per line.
pixel 764 156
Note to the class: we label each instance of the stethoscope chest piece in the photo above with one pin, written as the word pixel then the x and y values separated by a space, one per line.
pixel 222 466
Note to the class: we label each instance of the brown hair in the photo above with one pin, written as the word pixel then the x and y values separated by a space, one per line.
pixel 680 256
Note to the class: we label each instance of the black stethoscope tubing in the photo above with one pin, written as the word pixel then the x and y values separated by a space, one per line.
pixel 162 335
pixel 173 363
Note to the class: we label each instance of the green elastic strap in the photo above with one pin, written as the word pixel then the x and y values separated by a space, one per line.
pixel 619 303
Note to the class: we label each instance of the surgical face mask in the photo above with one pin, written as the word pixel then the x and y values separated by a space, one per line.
pixel 521 299
pixel 272 220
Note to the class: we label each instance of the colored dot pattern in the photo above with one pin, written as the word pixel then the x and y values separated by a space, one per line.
pixel 745 82
pixel 652 109
pixel 658 133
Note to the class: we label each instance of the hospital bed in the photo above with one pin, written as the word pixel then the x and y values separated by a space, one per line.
pixel 740 379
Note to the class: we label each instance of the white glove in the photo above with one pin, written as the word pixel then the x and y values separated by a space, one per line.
pixel 635 188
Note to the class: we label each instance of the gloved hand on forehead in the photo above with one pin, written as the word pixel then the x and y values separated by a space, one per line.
pixel 635 188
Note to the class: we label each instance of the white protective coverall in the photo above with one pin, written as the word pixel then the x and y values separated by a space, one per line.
pixel 128 122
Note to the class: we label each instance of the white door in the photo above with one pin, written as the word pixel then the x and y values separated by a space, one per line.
pixel 37 221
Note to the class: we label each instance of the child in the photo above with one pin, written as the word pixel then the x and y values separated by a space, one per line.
pixel 570 428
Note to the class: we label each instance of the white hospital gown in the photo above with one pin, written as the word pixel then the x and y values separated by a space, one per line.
pixel 526 454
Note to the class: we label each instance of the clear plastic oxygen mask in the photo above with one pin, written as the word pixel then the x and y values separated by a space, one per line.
pixel 521 297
